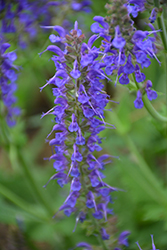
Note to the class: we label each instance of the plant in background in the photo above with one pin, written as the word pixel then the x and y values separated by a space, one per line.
pixel 127 50
pixel 8 78
pixel 23 18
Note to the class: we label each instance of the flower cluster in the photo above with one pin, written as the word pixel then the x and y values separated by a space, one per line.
pixel 135 6
pixel 24 16
pixel 79 115
pixel 8 77
pixel 126 50
pixel 122 241
pixel 151 94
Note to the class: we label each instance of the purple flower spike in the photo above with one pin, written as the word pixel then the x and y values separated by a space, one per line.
pixel 79 116
pixel 8 77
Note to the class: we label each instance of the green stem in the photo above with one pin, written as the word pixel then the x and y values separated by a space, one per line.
pixel 34 186
pixel 156 3
pixel 161 196
pixel 153 187
pixel 101 242
pixel 149 106
pixel 96 225
pixel 152 111
pixel 161 25
pixel 20 203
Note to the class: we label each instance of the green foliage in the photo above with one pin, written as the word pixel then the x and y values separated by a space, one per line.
pixel 139 141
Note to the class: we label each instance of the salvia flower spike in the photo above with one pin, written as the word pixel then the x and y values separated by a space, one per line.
pixel 79 116
pixel 8 86
pixel 126 51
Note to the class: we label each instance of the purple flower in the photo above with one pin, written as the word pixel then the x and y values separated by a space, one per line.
pixel 138 103
pixel 151 94
pixel 118 42
pixel 75 184
pixel 104 234
pixel 153 16
pixel 123 238
pixel 128 68
pixel 76 156
pixel 140 77
pixel 75 73
pixel 84 244
pixel 74 125
pixel 124 79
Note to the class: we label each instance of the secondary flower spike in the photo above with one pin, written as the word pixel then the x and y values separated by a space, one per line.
pixel 8 86
pixel 126 51
pixel 79 116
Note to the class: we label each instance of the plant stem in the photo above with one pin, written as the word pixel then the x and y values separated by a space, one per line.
pixel 152 184
pixel 161 26
pixel 161 196
pixel 19 202
pixel 101 242
pixel 152 111
pixel 34 186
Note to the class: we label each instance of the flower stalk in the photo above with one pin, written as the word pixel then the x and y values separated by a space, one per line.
pixel 37 191
pixel 161 26
pixel 20 203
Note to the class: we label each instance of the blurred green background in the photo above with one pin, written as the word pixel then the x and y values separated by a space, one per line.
pixel 139 140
